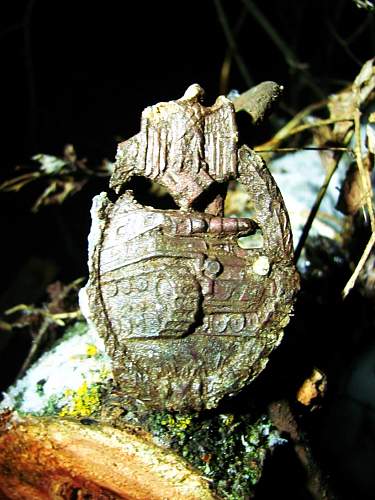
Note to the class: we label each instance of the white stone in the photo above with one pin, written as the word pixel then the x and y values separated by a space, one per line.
pixel 261 266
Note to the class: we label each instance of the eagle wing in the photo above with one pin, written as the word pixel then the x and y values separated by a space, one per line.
pixel 220 133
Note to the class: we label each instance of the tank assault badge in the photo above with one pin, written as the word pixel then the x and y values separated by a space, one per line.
pixel 188 315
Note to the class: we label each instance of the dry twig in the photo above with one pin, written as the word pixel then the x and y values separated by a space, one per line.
pixel 232 43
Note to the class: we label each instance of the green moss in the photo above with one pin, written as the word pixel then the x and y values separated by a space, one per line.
pixel 77 328
pixel 228 449
pixel 18 399
pixel 52 406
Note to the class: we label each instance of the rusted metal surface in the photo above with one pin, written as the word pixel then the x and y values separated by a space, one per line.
pixel 187 315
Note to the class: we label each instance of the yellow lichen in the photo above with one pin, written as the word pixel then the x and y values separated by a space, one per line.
pixel 91 350
pixel 177 423
pixel 228 419
pixel 105 373
pixel 84 401
pixel 183 423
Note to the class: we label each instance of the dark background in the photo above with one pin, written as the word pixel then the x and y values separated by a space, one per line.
pixel 80 72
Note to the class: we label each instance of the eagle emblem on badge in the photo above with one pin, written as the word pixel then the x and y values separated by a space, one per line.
pixel 186 313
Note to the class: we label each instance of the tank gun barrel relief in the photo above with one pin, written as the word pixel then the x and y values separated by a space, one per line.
pixel 188 315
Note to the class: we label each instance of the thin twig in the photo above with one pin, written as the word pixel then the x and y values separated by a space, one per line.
pixel 343 43
pixel 358 31
pixel 48 319
pixel 320 123
pixel 67 315
pixel 364 174
pixel 289 56
pixel 353 278
pixel 367 189
pixel 227 63
pixel 54 317
pixel 306 229
pixel 330 45
pixel 292 150
pixel 284 132
pixel 34 347
pixel 287 52
pixel 365 180
pixel 232 43
pixel 327 80
pixel 224 73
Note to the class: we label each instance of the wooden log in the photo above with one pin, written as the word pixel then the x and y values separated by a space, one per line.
pixel 44 458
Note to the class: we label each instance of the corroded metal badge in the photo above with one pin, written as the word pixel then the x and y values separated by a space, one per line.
pixel 186 313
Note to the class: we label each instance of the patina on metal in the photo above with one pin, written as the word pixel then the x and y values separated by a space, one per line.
pixel 187 315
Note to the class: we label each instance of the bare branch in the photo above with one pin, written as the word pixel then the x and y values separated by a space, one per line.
pixel 232 43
